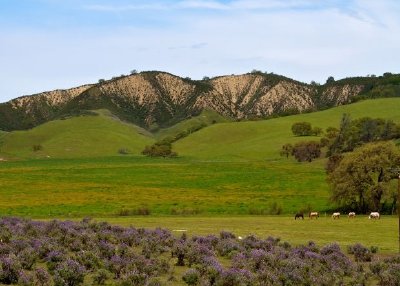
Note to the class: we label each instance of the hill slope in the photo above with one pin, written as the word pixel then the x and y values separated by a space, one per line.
pixel 226 168
pixel 158 99
pixel 263 139
pixel 82 136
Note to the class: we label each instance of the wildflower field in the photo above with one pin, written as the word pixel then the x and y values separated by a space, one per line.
pixel 97 253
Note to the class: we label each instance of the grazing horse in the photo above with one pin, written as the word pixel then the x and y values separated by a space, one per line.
pixel 298 216
pixel 352 214
pixel 313 214
pixel 336 215
pixel 374 215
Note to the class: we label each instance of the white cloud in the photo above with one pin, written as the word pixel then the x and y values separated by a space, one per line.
pixel 197 4
pixel 125 8
pixel 305 44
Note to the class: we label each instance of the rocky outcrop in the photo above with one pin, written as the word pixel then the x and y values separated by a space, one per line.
pixel 161 99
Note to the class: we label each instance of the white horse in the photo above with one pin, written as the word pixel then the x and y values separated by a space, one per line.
pixel 313 214
pixel 336 215
pixel 352 214
pixel 374 215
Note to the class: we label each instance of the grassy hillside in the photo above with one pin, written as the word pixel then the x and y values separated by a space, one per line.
pixel 255 140
pixel 227 168
pixel 82 136
pixel 185 128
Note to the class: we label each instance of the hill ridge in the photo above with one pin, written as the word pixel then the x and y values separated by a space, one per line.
pixel 156 99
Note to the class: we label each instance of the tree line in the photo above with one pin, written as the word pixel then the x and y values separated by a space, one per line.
pixel 362 161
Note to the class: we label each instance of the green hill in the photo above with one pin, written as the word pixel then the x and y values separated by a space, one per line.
pixel 82 136
pixel 226 168
pixel 255 140
pixel 185 128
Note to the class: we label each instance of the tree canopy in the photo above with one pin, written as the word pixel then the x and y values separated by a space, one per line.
pixel 361 179
pixel 302 129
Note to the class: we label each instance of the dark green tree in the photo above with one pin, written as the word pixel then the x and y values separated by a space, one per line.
pixel 286 150
pixel 330 80
pixel 306 151
pixel 362 177
pixel 302 129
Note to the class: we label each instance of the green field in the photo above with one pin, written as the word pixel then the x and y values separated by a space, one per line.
pixel 223 170
pixel 382 233
pixel 226 168
pixel 106 186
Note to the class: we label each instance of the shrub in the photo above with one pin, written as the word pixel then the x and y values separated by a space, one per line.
pixel 191 277
pixel 123 151
pixel 37 147
pixel 42 277
pixel 69 273
pixel 159 149
pixel 302 129
pixel 100 276
pixel 27 258
pixel 26 279
pixel 10 269
pixel 306 151
pixel 361 253
pixel 133 278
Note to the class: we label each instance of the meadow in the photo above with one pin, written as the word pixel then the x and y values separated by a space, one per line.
pixel 128 185
pixel 227 175
pixel 382 233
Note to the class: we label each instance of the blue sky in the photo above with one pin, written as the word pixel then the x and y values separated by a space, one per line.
pixel 50 44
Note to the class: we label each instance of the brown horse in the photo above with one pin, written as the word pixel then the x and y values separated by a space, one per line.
pixel 298 216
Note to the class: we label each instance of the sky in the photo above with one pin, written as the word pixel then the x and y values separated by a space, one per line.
pixel 59 44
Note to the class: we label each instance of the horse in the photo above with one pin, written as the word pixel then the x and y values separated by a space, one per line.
pixel 298 216
pixel 352 214
pixel 336 215
pixel 374 215
pixel 313 214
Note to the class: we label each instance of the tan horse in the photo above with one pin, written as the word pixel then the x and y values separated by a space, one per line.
pixel 352 214
pixel 336 215
pixel 313 214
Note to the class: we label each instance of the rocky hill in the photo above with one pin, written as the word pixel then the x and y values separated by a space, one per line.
pixel 158 99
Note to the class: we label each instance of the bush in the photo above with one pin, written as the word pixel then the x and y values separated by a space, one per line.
pixel 191 277
pixel 159 149
pixel 10 269
pixel 100 277
pixel 306 151
pixel 361 253
pixel 69 273
pixel 302 129
pixel 123 151
pixel 37 147
pixel 133 278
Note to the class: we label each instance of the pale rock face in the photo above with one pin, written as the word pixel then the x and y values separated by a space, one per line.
pixel 341 94
pixel 241 96
pixel 286 95
pixel 178 90
pixel 162 96
pixel 53 98
pixel 139 89
pixel 133 88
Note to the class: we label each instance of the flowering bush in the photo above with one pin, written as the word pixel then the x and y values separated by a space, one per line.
pixel 361 253
pixel 98 253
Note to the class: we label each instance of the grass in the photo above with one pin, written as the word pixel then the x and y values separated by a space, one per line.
pixel 255 140
pixel 105 186
pixel 382 233
pixel 225 172
pixel 206 118
pixel 83 136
